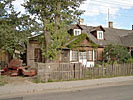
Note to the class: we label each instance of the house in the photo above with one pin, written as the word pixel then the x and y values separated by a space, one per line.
pixel 86 46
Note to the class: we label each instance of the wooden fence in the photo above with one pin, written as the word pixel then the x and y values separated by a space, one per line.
pixel 109 71
pixel 68 71
pixel 59 71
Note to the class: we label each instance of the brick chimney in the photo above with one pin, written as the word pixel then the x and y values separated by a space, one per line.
pixel 110 24
pixel 81 21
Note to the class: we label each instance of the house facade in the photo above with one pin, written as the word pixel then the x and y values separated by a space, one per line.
pixel 86 46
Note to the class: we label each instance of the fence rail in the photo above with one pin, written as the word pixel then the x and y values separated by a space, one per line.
pixel 68 71
pixel 109 71
pixel 59 71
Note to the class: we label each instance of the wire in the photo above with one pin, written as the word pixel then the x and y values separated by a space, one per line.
pixel 123 14
pixel 120 15
pixel 118 3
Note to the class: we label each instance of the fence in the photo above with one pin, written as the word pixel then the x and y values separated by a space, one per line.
pixel 68 71
pixel 109 71
pixel 59 71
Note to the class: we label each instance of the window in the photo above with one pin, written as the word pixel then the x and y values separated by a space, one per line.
pixel 82 55
pixel 95 55
pixel 77 32
pixel 99 34
pixel 74 55
pixel 37 55
pixel 90 55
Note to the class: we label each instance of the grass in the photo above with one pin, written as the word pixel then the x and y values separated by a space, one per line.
pixel 2 81
pixel 74 79
pixel 37 80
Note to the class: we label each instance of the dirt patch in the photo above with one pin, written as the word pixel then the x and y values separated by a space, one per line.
pixel 18 80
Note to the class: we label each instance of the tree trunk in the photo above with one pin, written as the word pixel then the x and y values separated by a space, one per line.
pixel 46 40
pixel 57 16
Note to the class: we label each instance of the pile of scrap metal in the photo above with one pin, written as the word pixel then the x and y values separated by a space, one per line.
pixel 15 68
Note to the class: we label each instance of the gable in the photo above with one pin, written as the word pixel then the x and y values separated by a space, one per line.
pixel 99 28
pixel 81 40
pixel 85 43
pixel 77 27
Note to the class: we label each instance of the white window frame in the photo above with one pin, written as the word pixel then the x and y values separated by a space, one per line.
pixel 75 55
pixel 99 34
pixel 77 32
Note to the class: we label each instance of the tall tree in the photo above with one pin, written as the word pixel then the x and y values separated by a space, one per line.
pixel 55 15
pixel 14 27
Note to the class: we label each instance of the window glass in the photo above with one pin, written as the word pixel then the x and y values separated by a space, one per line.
pixel 95 55
pixel 100 34
pixel 77 32
pixel 82 55
pixel 75 55
pixel 90 55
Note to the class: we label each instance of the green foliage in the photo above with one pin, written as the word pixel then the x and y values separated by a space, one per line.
pixel 97 65
pixel 50 80
pixel 2 81
pixel 88 72
pixel 130 60
pixel 115 53
pixel 38 80
pixel 80 38
pixel 55 17
pixel 14 28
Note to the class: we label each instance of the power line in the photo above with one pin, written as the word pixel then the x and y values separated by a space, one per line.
pixel 120 15
pixel 103 5
pixel 118 3
pixel 112 8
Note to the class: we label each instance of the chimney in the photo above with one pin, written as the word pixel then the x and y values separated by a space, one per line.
pixel 81 21
pixel 110 24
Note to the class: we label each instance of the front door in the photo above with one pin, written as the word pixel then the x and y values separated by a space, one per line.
pixel 83 58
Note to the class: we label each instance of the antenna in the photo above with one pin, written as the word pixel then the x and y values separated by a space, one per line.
pixel 108 16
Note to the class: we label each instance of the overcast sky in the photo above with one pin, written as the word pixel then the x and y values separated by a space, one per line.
pixel 96 12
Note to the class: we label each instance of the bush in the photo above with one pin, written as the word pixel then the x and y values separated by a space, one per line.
pixel 130 60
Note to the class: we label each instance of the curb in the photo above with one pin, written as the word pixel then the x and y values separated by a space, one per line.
pixel 63 86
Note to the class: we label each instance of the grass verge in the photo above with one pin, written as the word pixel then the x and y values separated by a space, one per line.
pixel 2 81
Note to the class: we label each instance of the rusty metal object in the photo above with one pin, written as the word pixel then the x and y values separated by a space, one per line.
pixel 15 68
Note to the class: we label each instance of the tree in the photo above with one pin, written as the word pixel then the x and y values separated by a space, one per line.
pixel 115 53
pixel 14 28
pixel 54 15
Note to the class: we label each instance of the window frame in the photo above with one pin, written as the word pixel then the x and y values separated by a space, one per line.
pixel 88 55
pixel 73 56
pixel 77 32
pixel 100 35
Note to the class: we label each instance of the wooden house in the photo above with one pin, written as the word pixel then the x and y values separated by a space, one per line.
pixel 86 46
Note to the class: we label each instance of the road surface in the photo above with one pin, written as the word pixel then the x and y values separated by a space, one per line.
pixel 124 92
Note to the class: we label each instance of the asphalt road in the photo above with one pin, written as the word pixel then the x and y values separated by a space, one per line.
pixel 124 92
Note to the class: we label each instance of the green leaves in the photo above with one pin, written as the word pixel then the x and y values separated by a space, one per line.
pixel 56 16
pixel 14 28
pixel 116 53
pixel 78 39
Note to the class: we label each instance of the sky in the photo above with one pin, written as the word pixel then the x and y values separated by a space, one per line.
pixel 98 12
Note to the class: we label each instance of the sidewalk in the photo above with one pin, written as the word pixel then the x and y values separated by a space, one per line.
pixel 10 89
